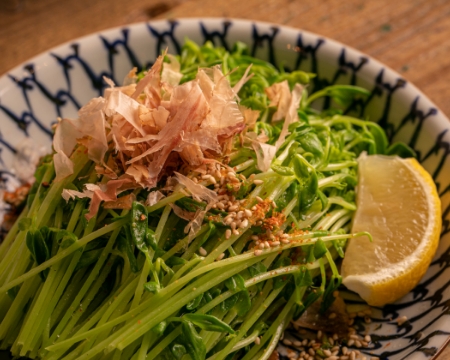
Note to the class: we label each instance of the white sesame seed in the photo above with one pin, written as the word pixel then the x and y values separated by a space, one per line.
pixel 287 342
pixel 235 232
pixel 358 344
pixel 211 178
pixel 222 180
pixel 261 245
pixel 240 214
pixel 194 179
pixel 255 237
pixel 260 200
pixel 266 244
pixel 331 341
pixel 352 355
pixel 367 338
pixel 220 257
pixel 258 252
pixel 285 241
pixel 351 342
pixel 305 342
pixel 233 208
pixel 335 348
pixel 327 352
pixel 233 225
pixel 202 252
pixel 344 350
pixel 258 182
pixel 364 343
pixel 343 357
pixel 401 320
pixel 275 243
pixel 242 177
pixel 335 336
pixel 311 352
pixel 220 205
pixel 374 358
pixel 218 174
pixel 227 233
pixel 319 334
pixel 254 208
pixel 333 357
pixel 243 224
pixel 354 337
pixel 248 213
pixel 231 174
pixel 257 340
pixel 297 343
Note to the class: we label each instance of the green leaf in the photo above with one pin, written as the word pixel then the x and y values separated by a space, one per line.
pixel 160 328
pixel 88 258
pixel 175 260
pixel 65 238
pixel 303 277
pixel 244 303
pixel 328 296
pixel 282 170
pixel 380 138
pixel 208 323
pixel 193 304
pixel 139 225
pixel 24 224
pixel 235 283
pixel 402 150
pixel 150 239
pixel 255 270
pixel 38 248
pixel 311 143
pixel 192 341
pixel 229 303
pixel 178 351
pixel 320 249
pixel 300 168
pixel 152 287
pixel 323 199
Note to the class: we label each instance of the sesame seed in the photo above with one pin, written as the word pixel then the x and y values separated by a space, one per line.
pixel 275 243
pixel 266 244
pixel 305 342
pixel 194 179
pixel 319 334
pixel 257 340
pixel 261 245
pixel 258 252
pixel 354 337
pixel 231 174
pixel 297 343
pixel 367 338
pixel 260 200
pixel 254 208
pixel 332 358
pixel 374 358
pixel 255 237
pixel 202 252
pixel 331 341
pixel 242 177
pixel 367 320
pixel 206 177
pixel 235 232
pixel 401 320
pixel 327 352
pixel 351 342
pixel 212 180
pixel 240 214
pixel 311 352
pixel 258 182
pixel 287 342
pixel 332 316
pixel 220 205
pixel 243 224
pixel 344 350
pixel 358 344
pixel 248 213
pixel 352 355
pixel 344 357
pixel 364 343
pixel 227 233
pixel 335 336
pixel 285 241
pixel 233 208
pixel 220 257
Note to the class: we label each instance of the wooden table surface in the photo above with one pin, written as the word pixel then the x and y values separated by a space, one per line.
pixel 410 36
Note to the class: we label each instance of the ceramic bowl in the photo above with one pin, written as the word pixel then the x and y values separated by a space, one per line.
pixel 56 83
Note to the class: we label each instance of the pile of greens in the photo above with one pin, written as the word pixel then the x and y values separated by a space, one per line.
pixel 134 285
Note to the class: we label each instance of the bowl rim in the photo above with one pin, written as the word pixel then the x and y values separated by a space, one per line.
pixel 331 44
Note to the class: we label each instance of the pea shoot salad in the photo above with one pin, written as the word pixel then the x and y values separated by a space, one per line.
pixel 192 212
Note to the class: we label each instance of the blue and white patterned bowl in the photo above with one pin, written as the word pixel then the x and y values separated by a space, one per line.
pixel 58 82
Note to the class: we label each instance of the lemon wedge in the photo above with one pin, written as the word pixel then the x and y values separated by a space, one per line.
pixel 397 203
